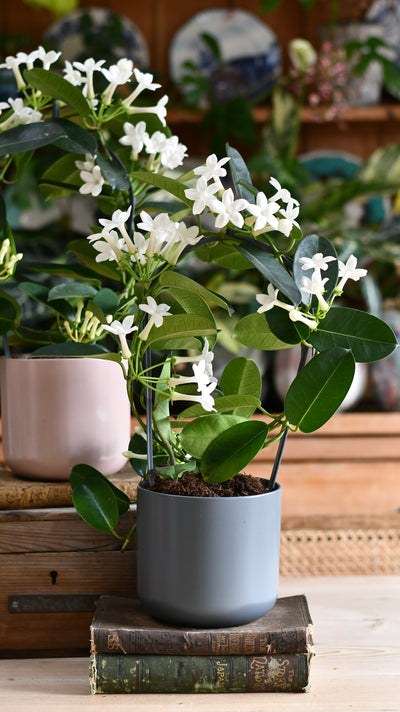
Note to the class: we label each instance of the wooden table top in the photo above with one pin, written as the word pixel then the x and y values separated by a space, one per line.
pixel 356 666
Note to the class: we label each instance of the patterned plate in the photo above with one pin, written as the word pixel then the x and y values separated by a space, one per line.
pixel 251 57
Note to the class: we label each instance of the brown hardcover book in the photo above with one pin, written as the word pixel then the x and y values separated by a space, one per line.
pixel 116 674
pixel 121 626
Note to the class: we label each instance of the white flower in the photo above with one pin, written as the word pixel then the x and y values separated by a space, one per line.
pixel 110 246
pixel 212 169
pixel 118 221
pixel 156 143
pixel 202 195
pixel 316 262
pixel 3 107
pixel 206 355
pixel 302 54
pixel 93 181
pixel 173 153
pixel 200 377
pixel 22 114
pixel 157 313
pixel 316 285
pixel 267 301
pixel 281 193
pixel 145 81
pixel 47 58
pixel 86 165
pixel 228 209
pixel 116 75
pixel 161 228
pixel 13 63
pixel 205 399
pixel 183 237
pixel 122 330
pixel 73 76
pixel 290 213
pixel 134 136
pixel 140 245
pixel 264 211
pixel 296 315
pixel 88 67
pixel 349 271
pixel 159 109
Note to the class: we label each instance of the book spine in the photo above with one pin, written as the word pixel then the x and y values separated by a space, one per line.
pixel 114 674
pixel 141 642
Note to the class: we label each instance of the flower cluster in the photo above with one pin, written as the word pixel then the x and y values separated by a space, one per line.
pixel 320 80
pixel 8 260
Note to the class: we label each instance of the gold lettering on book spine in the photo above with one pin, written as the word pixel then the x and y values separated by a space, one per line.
pixel 113 642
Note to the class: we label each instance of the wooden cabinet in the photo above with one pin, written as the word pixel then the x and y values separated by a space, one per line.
pixel 360 131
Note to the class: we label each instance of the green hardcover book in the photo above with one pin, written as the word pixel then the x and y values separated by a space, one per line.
pixel 121 626
pixel 115 674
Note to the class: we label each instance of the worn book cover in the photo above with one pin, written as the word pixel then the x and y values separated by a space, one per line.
pixel 121 626
pixel 116 674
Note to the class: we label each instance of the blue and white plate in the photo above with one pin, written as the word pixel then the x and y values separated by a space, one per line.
pixel 96 32
pixel 251 57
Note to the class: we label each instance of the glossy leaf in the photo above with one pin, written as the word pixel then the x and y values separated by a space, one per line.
pixel 54 85
pixel 319 388
pixel 96 503
pixel 253 331
pixel 308 247
pixel 232 450
pixel 76 139
pixel 243 406
pixel 107 300
pixel 272 270
pixel 30 137
pixel 240 175
pixel 85 252
pixel 368 337
pixel 71 290
pixel 40 292
pixel 70 349
pixel 175 279
pixel 80 473
pixel 179 331
pixel 241 377
pixel 113 172
pixel 197 435
pixel 163 183
pixel 284 328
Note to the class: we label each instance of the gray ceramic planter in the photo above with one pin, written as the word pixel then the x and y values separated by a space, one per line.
pixel 208 561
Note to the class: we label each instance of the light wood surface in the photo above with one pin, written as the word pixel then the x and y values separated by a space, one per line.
pixel 356 666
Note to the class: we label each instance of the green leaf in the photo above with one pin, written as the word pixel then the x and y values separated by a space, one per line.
pixel 284 328
pixel 86 254
pixel 308 247
pixel 253 331
pixel 114 172
pixel 71 290
pixel 239 405
pixel 70 349
pixel 107 300
pixel 80 473
pixel 241 377
pixel 197 435
pixel 192 304
pixel 161 414
pixel 96 503
pixel 175 279
pixel 55 86
pixel 368 337
pixel 30 136
pixel 76 139
pixel 240 175
pixel 9 313
pixel 40 292
pixel 178 331
pixel 319 388
pixel 223 255
pixel 232 450
pixel 163 183
pixel 272 270
pixel 73 271
pixel 176 471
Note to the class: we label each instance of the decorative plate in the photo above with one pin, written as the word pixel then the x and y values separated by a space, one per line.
pixel 98 33
pixel 251 57
pixel 387 13
pixel 324 164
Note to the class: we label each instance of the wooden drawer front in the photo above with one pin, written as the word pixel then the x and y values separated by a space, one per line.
pixel 73 573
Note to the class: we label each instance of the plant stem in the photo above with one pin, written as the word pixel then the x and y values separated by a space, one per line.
pixel 282 442
pixel 149 420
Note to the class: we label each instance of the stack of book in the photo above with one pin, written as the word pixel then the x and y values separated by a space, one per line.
pixel 133 653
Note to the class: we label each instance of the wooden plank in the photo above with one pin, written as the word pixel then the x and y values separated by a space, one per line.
pixel 355 669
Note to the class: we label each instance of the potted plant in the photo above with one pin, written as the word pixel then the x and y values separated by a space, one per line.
pixel 222 566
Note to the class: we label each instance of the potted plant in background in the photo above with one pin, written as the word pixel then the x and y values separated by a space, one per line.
pixel 223 565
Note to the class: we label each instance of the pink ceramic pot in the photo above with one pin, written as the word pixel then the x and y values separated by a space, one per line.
pixel 60 412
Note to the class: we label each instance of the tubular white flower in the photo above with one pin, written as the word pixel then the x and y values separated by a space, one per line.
pixel 288 221
pixel 212 169
pixel 264 210
pixel 281 193
pixel 122 330
pixel 157 313
pixel 13 63
pixel 156 143
pixel 140 245
pixel 269 300
pixel 202 195
pixel 161 228
pixel 316 286
pixel 228 209
pixel 206 355
pixel 110 247
pixel 159 109
pixel 93 181
pixel 183 237
pixel 296 315
pixel 349 270
pixel 316 262
pixel 116 75
pixel 22 114
pixel 73 76
pixel 118 220
pixel 135 136
pixel 205 399
pixel 47 58
pixel 173 153
pixel 89 67
pixel 200 377
pixel 145 81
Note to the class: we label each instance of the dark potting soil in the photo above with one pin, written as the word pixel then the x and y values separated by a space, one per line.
pixel 192 485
